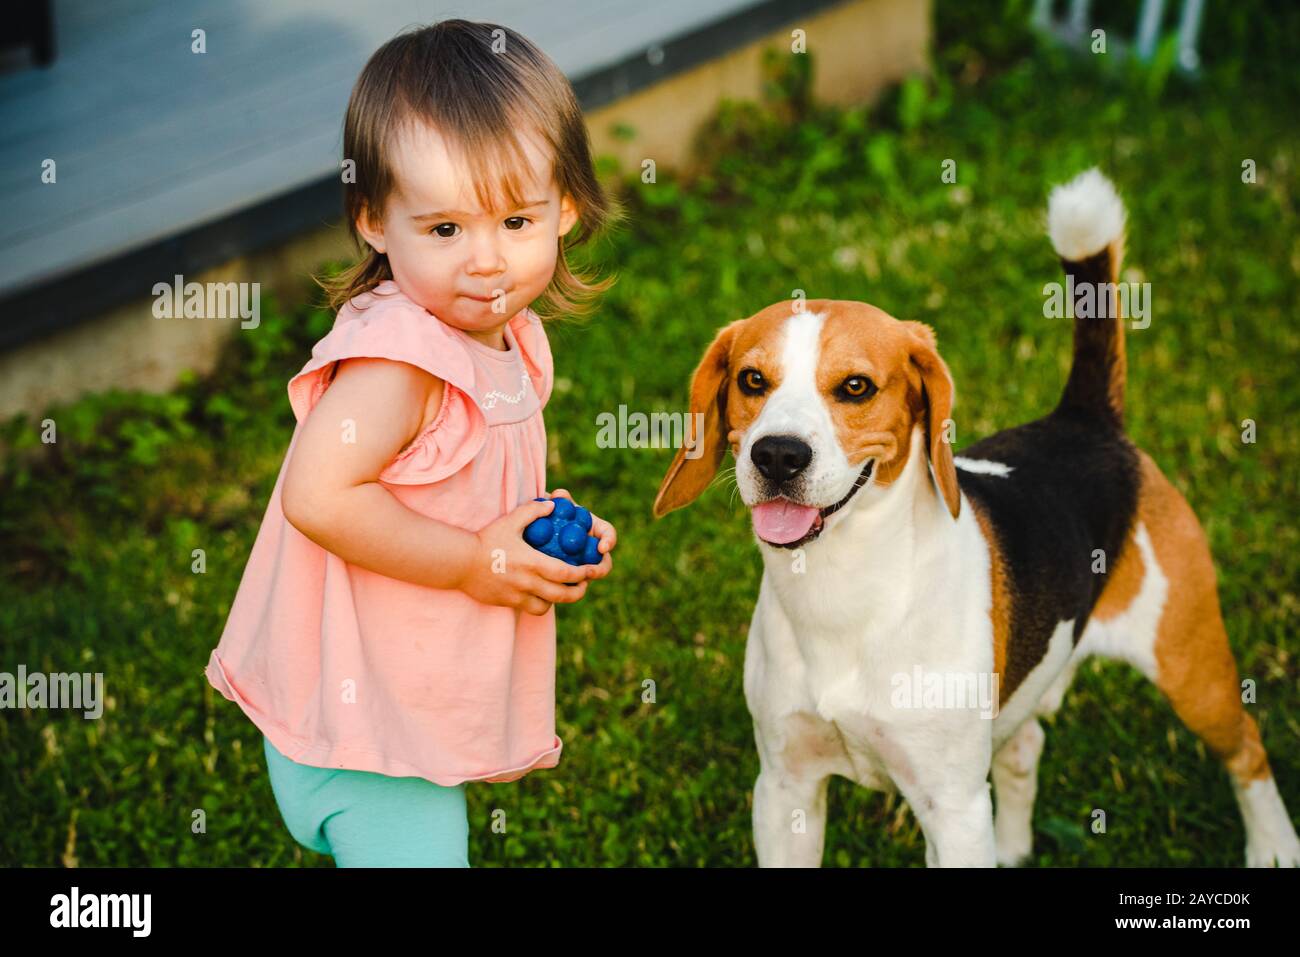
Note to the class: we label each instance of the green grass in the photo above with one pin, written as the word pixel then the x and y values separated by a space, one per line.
pixel 100 528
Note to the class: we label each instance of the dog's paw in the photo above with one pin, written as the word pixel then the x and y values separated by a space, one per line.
pixel 1014 842
pixel 1014 852
pixel 1272 855
pixel 1012 858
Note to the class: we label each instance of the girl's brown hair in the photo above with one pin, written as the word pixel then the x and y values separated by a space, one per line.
pixel 478 85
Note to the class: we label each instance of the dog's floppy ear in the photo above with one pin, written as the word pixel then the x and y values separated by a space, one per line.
pixel 688 477
pixel 938 387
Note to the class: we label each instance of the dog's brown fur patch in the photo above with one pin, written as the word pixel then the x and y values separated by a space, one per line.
pixel 1000 606
pixel 1195 666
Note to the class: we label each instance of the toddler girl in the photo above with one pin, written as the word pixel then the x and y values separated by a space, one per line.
pixel 393 635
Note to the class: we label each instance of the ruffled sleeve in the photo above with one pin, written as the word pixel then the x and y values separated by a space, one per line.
pixel 393 327
pixel 536 351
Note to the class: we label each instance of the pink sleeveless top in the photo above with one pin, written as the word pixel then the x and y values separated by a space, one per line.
pixel 345 668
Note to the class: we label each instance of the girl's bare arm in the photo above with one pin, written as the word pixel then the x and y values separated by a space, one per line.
pixel 331 493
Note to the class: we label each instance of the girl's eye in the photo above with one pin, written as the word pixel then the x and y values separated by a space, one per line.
pixel 438 230
pixel 517 219
pixel 751 381
pixel 856 388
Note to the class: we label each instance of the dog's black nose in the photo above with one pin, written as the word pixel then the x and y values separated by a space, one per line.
pixel 781 457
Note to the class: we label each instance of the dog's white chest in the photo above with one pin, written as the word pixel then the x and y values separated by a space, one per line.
pixel 836 652
pixel 828 703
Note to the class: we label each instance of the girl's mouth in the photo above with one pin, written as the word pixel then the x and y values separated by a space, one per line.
pixel 504 293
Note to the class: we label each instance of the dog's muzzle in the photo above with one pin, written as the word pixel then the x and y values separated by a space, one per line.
pixel 787 524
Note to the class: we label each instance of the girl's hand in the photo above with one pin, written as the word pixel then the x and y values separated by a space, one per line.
pixel 508 571
pixel 603 531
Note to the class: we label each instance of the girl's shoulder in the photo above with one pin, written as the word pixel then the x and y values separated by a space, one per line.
pixel 385 323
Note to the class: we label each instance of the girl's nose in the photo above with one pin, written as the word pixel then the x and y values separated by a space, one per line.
pixel 485 258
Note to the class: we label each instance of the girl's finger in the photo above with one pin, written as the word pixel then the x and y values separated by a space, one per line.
pixel 557 594
pixel 572 593
pixel 605 532
pixel 553 570
pixel 603 569
pixel 535 606
pixel 529 512
pixel 562 493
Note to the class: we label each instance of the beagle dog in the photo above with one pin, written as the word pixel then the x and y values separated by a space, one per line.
pixel 894 570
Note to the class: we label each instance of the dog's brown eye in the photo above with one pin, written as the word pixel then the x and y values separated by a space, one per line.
pixel 857 387
pixel 751 381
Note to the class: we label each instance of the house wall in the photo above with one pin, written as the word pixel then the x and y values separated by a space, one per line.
pixel 860 47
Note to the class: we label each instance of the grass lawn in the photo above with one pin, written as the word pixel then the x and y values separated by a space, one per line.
pixel 99 529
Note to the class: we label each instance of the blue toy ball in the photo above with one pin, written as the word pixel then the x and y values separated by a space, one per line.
pixel 564 534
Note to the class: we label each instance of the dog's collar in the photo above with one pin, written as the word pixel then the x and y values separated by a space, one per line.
pixel 860 481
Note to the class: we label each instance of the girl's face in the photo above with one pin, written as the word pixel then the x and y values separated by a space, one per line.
pixel 473 269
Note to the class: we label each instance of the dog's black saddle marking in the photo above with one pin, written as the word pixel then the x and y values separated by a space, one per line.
pixel 1073 489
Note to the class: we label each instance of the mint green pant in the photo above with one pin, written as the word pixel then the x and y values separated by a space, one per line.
pixel 364 819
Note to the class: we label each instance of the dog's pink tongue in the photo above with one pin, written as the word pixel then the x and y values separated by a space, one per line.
pixel 780 520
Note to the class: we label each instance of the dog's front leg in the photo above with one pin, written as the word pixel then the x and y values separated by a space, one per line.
pixel 940 764
pixel 789 818
pixel 958 828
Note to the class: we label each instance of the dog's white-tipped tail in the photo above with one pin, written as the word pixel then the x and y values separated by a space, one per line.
pixel 1085 221
pixel 1084 216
